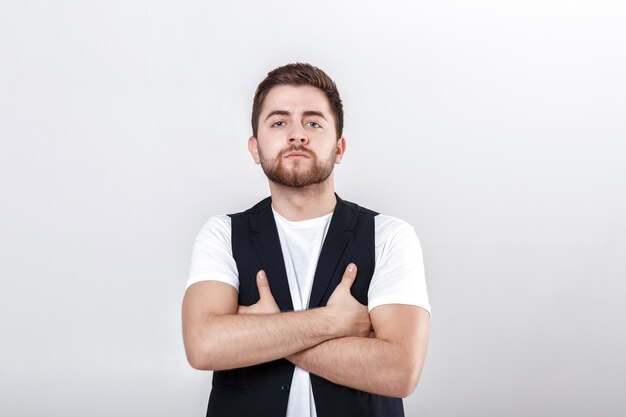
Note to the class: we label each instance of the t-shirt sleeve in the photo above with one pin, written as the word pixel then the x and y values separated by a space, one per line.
pixel 399 272
pixel 212 254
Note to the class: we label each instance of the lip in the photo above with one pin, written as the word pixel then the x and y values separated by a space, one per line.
pixel 296 155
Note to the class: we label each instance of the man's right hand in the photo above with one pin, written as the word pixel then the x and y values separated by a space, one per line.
pixel 352 316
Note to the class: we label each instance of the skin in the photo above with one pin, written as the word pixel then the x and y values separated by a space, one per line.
pixel 381 352
pixel 388 363
pixel 219 334
pixel 301 189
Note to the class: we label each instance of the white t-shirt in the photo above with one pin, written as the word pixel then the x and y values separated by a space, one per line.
pixel 398 276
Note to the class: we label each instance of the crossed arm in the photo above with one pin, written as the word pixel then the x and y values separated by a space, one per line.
pixel 388 364
pixel 330 341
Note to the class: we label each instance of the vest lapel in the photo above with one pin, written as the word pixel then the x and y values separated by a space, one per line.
pixel 267 243
pixel 339 234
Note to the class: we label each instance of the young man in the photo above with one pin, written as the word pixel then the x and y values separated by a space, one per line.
pixel 305 304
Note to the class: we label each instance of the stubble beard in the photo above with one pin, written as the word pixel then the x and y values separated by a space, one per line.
pixel 297 175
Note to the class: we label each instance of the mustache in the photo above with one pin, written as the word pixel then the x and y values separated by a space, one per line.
pixel 300 149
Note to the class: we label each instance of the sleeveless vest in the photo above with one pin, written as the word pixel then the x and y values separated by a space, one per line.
pixel 263 390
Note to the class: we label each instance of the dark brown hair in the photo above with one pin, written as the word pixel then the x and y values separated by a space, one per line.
pixel 298 74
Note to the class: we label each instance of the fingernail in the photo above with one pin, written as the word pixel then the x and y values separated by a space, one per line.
pixel 262 274
pixel 351 267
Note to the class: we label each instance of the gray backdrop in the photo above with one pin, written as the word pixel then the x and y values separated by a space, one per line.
pixel 495 128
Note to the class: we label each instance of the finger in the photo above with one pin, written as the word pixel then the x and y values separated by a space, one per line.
pixel 349 276
pixel 263 285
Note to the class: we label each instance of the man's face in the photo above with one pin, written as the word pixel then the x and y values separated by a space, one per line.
pixel 296 119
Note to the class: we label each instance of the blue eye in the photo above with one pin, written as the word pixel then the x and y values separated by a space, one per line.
pixel 314 124
pixel 275 123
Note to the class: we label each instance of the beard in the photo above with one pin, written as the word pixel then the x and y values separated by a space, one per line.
pixel 297 174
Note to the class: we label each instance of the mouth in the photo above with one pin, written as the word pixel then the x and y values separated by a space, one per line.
pixel 296 155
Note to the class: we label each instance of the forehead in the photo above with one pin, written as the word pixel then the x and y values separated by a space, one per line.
pixel 295 99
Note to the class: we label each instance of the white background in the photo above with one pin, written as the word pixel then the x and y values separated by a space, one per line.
pixel 496 128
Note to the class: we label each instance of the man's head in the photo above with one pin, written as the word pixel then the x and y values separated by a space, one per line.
pixel 298 74
pixel 297 139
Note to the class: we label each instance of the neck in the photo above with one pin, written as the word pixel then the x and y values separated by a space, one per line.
pixel 303 203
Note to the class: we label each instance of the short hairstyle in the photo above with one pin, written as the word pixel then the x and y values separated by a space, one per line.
pixel 298 74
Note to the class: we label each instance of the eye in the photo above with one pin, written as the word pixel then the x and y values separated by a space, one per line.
pixel 277 124
pixel 314 124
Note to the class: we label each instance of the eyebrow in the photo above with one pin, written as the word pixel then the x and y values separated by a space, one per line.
pixel 304 113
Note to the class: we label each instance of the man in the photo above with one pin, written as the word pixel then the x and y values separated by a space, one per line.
pixel 305 304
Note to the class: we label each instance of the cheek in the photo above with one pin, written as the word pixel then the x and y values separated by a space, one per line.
pixel 271 139
pixel 269 149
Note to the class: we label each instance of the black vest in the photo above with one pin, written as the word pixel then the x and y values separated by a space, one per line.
pixel 263 390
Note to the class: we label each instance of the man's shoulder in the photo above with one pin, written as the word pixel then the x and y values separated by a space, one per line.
pixel 216 226
pixel 387 221
pixel 386 226
pixel 356 207
pixel 390 228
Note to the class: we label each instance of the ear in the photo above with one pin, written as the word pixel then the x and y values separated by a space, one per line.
pixel 341 149
pixel 253 148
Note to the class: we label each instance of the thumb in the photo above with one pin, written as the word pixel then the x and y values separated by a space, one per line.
pixel 263 284
pixel 349 276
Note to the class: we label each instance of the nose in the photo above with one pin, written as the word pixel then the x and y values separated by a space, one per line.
pixel 298 136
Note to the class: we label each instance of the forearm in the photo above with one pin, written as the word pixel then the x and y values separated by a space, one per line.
pixel 368 364
pixel 234 341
